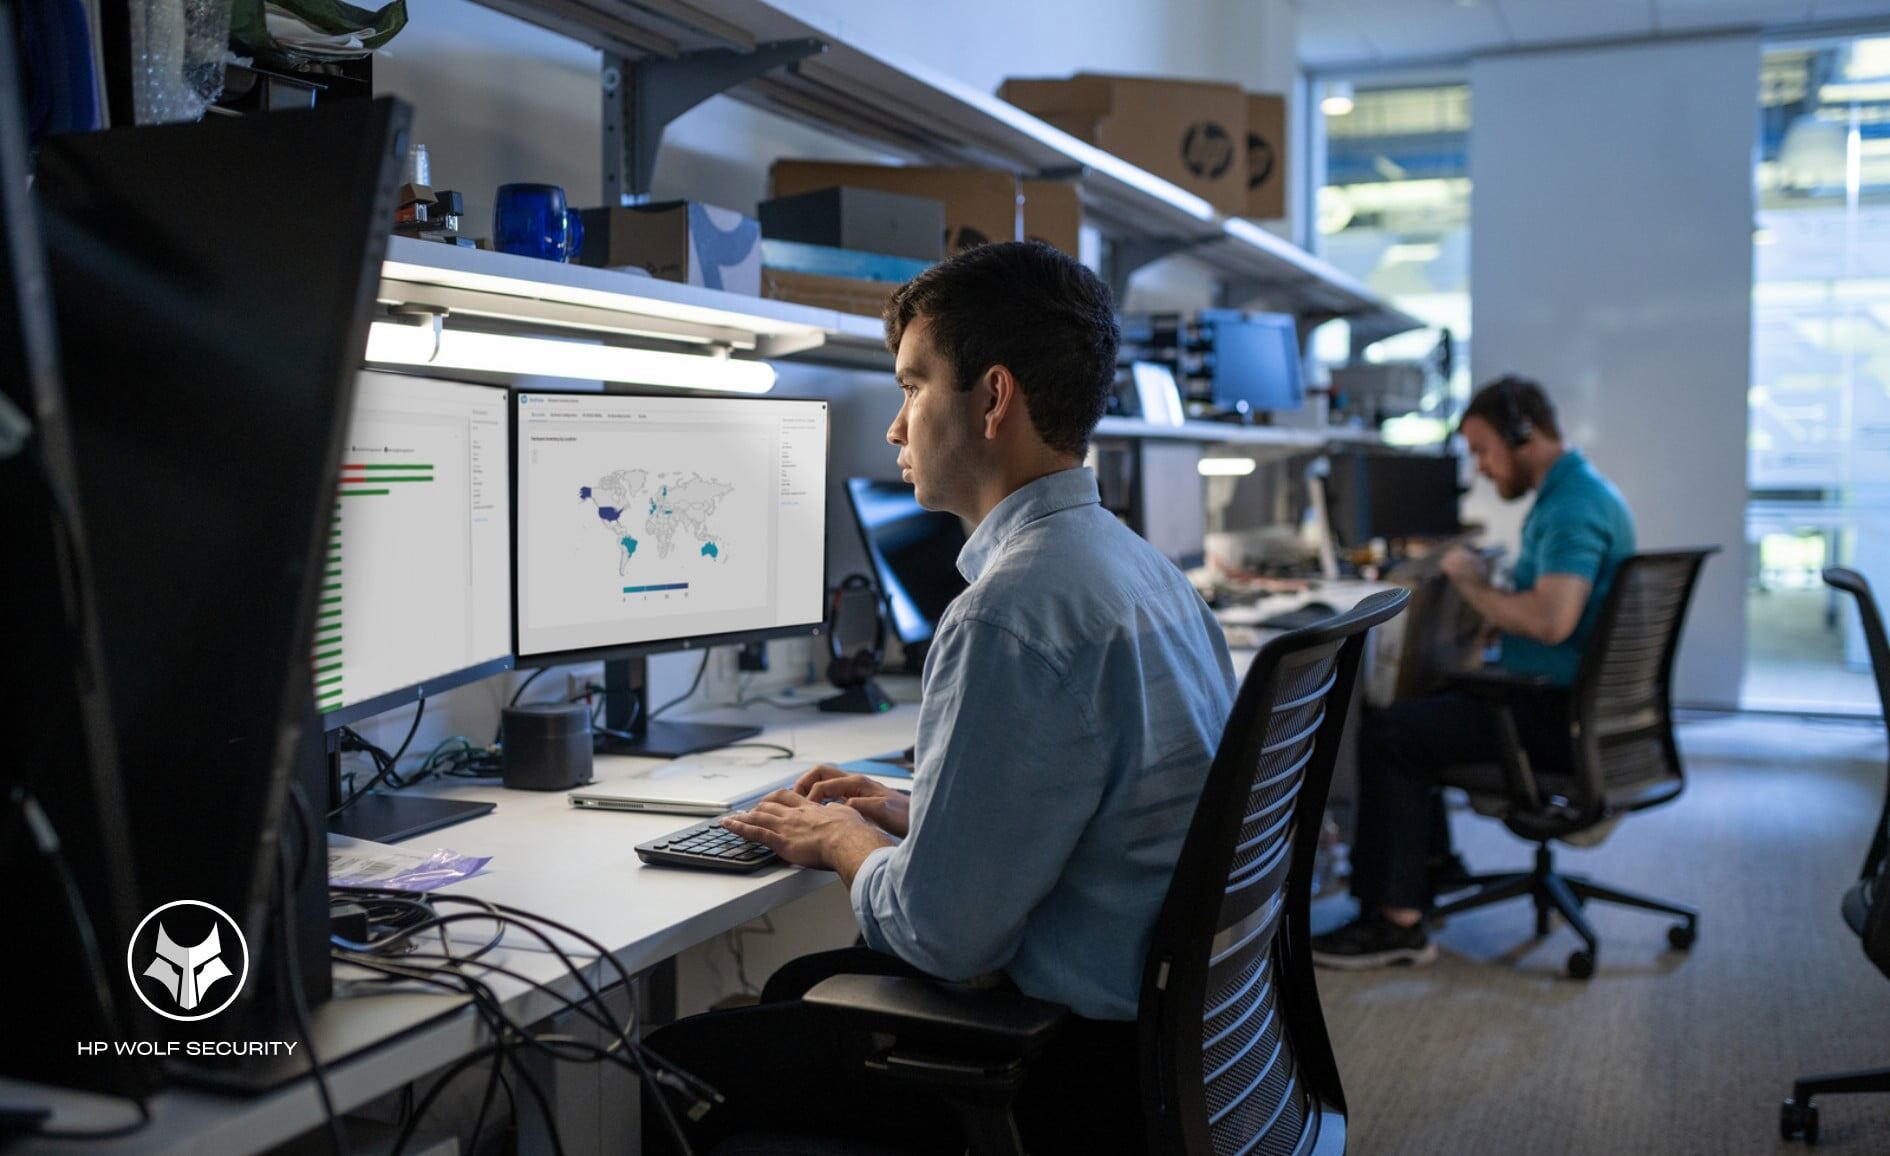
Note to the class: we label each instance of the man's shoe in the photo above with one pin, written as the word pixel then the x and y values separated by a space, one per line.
pixel 1373 941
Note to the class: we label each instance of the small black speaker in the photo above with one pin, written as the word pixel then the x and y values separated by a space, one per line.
pixel 547 746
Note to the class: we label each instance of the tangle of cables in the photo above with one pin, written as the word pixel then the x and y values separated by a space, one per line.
pixel 407 941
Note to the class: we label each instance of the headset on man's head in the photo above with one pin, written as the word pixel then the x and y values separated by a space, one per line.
pixel 1517 427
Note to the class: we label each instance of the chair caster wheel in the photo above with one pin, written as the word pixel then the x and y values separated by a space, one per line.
pixel 1795 1119
pixel 1682 936
pixel 1581 964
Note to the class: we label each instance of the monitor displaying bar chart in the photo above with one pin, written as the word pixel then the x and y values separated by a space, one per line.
pixel 416 587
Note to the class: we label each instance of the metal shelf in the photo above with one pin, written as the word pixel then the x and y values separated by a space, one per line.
pixel 920 115
pixel 1220 433
pixel 526 291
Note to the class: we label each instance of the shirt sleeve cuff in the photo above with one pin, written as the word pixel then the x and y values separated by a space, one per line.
pixel 861 897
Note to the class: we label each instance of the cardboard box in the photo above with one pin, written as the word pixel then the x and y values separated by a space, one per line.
pixel 678 241
pixel 1053 214
pixel 980 204
pixel 1188 132
pixel 863 220
pixel 844 294
pixel 1266 156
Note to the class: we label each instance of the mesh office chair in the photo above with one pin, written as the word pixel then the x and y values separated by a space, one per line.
pixel 1235 1056
pixel 1866 905
pixel 1622 752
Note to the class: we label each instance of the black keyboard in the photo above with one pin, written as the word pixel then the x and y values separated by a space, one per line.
pixel 707 845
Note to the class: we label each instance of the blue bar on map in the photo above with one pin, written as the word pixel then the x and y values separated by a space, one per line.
pixel 654 589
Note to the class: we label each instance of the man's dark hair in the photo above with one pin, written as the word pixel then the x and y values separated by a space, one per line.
pixel 1031 309
pixel 1513 405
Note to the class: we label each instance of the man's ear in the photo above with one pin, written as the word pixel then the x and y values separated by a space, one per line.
pixel 1005 400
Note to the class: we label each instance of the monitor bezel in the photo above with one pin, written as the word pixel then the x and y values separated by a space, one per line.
pixel 610 651
pixel 411 693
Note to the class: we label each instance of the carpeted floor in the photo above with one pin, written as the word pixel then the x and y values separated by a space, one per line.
pixel 1492 1051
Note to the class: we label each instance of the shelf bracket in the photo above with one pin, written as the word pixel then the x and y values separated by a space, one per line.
pixel 1128 254
pixel 642 97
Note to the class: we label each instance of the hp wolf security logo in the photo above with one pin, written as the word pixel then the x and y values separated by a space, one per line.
pixel 188 960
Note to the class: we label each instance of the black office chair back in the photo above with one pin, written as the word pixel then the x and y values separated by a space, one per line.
pixel 1625 754
pixel 1872 894
pixel 1235 1056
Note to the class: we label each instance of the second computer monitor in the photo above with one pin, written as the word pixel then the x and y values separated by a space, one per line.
pixel 417 582
pixel 657 523
pixel 914 552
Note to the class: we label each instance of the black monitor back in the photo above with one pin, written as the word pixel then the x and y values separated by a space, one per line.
pixel 68 867
pixel 213 285
pixel 914 552
pixel 1390 495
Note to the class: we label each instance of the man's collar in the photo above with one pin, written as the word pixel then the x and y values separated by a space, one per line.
pixel 1570 461
pixel 1028 502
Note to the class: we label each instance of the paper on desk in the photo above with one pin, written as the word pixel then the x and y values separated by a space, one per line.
pixel 362 863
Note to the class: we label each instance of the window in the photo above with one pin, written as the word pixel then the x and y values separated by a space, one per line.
pixel 1818 456
pixel 1393 210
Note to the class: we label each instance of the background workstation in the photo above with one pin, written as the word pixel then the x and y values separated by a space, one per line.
pixel 1629 285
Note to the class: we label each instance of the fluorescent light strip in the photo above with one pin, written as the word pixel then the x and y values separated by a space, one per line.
pixel 393 343
pixel 1224 467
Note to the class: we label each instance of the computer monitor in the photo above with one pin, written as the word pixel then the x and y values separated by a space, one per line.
pixel 914 553
pixel 212 285
pixel 1256 366
pixel 1394 495
pixel 647 524
pixel 416 593
pixel 64 753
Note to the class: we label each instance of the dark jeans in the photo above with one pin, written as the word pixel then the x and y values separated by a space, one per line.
pixel 783 1069
pixel 1403 749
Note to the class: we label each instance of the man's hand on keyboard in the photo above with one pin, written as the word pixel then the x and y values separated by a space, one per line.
pixel 886 808
pixel 808 834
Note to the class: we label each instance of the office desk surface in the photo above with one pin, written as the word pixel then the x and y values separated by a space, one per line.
pixel 575 866
pixel 578 867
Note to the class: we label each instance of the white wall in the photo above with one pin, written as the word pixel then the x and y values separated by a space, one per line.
pixel 1612 260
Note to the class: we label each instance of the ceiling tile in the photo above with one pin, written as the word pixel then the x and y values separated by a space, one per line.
pixel 1823 10
pixel 1692 15
pixel 1548 21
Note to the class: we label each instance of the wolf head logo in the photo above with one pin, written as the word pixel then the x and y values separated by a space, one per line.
pixel 188 971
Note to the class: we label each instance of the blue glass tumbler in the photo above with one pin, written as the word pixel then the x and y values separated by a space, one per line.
pixel 534 221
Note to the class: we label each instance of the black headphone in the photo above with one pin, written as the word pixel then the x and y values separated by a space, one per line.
pixel 848 670
pixel 1517 428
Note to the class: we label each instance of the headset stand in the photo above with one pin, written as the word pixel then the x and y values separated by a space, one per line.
pixel 865 698
pixel 628 729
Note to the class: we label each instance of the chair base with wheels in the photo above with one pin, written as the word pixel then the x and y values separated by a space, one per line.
pixel 1798 1116
pixel 1567 895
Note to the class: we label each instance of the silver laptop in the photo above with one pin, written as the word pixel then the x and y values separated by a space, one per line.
pixel 695 786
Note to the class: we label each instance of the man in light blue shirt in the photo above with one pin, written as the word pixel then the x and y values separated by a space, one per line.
pixel 1074 696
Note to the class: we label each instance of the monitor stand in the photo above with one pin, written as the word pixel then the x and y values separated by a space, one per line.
pixel 387 817
pixel 628 730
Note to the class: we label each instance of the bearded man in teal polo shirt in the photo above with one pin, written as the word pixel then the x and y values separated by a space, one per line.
pixel 1574 538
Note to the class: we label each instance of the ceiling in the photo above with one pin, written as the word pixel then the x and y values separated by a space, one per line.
pixel 1359 32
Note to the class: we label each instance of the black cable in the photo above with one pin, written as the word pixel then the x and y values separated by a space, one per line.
pixel 384 762
pixel 701 670
pixel 786 752
pixel 677 1077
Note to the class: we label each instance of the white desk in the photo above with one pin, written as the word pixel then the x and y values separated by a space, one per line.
pixel 577 867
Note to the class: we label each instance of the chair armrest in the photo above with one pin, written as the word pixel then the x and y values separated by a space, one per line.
pixel 924 1011
pixel 1497 683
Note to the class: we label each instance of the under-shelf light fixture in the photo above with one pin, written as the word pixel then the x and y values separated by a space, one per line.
pixel 428 342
